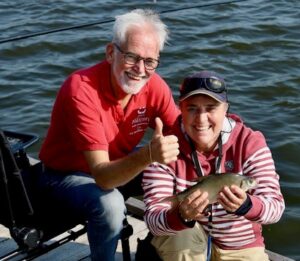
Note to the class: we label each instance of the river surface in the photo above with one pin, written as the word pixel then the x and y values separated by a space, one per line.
pixel 254 44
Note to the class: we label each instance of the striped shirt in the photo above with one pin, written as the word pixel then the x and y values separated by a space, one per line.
pixel 245 152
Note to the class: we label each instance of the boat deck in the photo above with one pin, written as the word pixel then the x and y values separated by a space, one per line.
pixel 78 249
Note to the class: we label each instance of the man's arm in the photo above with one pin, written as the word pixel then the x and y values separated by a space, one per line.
pixel 110 174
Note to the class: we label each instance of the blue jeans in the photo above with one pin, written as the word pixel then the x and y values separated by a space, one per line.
pixel 103 209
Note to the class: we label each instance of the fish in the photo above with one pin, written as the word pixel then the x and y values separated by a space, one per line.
pixel 213 184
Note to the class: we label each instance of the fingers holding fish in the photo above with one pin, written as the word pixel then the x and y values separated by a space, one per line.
pixel 231 198
pixel 193 206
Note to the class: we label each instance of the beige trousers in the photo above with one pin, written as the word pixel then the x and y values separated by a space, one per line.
pixel 247 254
pixel 186 245
pixel 190 245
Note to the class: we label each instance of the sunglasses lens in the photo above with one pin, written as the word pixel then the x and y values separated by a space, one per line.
pixel 214 84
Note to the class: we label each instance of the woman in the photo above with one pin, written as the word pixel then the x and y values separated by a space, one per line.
pixel 212 141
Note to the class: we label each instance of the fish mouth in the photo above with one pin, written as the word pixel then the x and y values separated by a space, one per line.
pixel 250 184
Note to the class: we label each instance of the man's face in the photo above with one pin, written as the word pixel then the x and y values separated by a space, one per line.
pixel 132 77
pixel 203 119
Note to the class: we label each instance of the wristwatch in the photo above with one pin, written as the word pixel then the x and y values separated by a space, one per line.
pixel 186 221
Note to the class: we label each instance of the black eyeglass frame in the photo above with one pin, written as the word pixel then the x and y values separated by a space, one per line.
pixel 137 58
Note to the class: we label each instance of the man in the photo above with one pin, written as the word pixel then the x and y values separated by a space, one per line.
pixel 100 115
pixel 212 141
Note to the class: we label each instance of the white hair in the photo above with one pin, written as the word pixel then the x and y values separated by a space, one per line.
pixel 139 17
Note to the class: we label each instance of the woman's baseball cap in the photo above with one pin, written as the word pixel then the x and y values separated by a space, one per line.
pixel 204 82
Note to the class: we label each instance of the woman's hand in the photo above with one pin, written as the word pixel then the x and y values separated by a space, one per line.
pixel 231 198
pixel 193 206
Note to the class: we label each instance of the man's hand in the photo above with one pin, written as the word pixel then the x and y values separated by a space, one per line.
pixel 164 149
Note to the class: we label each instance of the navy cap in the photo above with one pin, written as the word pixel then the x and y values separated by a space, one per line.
pixel 204 82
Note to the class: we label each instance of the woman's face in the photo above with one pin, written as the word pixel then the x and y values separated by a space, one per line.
pixel 203 119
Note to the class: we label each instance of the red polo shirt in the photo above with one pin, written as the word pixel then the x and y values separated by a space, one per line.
pixel 86 116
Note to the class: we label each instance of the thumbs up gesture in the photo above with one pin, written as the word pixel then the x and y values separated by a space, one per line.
pixel 164 149
pixel 158 132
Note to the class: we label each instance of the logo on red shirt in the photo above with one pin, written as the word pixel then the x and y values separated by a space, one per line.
pixel 141 122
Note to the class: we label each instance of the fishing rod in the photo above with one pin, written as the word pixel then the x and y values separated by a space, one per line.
pixel 30 35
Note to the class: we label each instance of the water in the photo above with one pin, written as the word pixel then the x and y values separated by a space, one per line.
pixel 254 44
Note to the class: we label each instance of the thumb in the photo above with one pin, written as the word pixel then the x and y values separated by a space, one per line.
pixel 158 132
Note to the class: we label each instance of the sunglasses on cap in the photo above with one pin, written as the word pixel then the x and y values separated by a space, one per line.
pixel 212 84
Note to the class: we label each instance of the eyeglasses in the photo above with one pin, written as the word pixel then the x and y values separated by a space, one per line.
pixel 211 84
pixel 132 59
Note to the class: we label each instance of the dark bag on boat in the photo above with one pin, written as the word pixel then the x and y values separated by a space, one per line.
pixel 14 200
pixel 145 250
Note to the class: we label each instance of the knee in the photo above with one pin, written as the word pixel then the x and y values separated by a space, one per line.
pixel 179 247
pixel 193 239
pixel 113 205
pixel 110 209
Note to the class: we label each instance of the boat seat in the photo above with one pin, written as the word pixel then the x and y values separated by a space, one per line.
pixel 33 221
